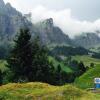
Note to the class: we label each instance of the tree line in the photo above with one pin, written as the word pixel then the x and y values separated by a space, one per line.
pixel 28 62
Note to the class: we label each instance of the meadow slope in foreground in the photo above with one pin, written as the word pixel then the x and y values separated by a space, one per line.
pixel 42 91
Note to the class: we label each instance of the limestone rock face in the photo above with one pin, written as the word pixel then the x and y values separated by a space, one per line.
pixel 10 20
pixel 50 33
pixel 2 6
pixel 87 40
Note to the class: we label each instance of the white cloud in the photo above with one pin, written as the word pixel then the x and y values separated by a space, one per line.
pixel 21 5
pixel 64 19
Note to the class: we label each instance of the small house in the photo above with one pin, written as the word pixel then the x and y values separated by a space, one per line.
pixel 97 83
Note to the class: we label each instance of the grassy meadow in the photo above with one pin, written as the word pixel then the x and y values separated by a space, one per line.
pixel 87 60
pixel 42 91
pixel 56 63
pixel 87 80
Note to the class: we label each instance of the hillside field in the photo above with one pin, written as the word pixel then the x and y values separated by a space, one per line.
pixel 87 80
pixel 42 91
pixel 87 60
pixel 56 63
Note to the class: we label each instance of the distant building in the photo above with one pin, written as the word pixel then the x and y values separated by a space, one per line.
pixel 97 83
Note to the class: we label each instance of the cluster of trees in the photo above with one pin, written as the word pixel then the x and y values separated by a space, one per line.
pixel 68 51
pixel 78 67
pixel 4 50
pixel 96 55
pixel 28 62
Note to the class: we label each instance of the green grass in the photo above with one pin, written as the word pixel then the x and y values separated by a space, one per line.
pixel 42 91
pixel 86 59
pixel 3 65
pixel 64 68
pixel 87 80
pixel 56 63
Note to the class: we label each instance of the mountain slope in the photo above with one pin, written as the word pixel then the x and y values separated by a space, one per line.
pixel 51 34
pixel 87 40
pixel 86 59
pixel 63 67
pixel 11 21
pixel 87 79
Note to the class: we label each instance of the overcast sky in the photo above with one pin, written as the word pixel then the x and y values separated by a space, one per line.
pixel 73 16
pixel 82 9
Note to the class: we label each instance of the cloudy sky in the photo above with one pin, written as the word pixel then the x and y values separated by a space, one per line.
pixel 73 16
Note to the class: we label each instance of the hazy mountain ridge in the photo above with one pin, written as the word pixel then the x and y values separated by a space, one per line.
pixel 50 33
pixel 12 20
pixel 87 40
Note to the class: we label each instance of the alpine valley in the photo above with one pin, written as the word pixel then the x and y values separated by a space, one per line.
pixel 45 56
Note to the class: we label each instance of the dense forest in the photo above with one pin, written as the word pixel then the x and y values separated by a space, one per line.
pixel 28 61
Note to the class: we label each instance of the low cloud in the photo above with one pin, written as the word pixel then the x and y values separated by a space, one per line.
pixel 65 20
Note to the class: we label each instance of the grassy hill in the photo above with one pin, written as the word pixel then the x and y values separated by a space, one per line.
pixel 87 79
pixel 56 63
pixel 42 91
pixel 86 59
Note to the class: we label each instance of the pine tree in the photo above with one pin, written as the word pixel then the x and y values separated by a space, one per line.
pixel 20 59
pixel 58 75
pixel 41 65
pixel 59 68
pixel 82 68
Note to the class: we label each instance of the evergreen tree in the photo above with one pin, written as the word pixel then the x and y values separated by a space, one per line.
pixel 20 59
pixel 41 66
pixel 58 79
pixel 82 68
pixel 92 65
pixel 59 68
pixel 74 65
pixel 68 60
pixel 29 61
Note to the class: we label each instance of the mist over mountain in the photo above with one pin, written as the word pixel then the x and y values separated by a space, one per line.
pixel 87 40
pixel 64 19
pixel 12 20
pixel 51 34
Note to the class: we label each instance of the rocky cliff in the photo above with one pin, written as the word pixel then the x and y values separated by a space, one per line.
pixel 87 40
pixel 50 33
pixel 10 21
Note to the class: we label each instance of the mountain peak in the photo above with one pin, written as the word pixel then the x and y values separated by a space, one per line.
pixel 8 5
pixel 87 40
pixel 2 4
pixel 48 22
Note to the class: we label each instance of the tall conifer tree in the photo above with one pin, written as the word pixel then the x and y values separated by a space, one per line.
pixel 20 60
